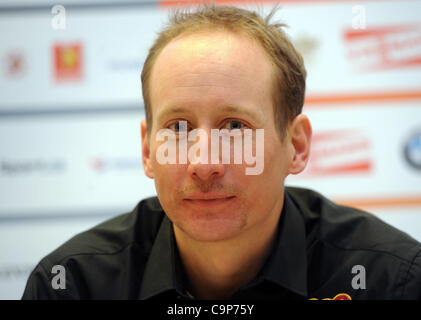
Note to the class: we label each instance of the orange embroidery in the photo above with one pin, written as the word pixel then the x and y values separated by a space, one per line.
pixel 339 296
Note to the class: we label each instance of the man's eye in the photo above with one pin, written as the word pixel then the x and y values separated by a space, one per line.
pixel 234 124
pixel 178 126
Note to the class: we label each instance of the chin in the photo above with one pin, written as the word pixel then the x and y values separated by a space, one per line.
pixel 211 229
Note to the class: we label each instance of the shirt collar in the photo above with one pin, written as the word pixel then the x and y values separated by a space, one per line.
pixel 163 271
pixel 286 265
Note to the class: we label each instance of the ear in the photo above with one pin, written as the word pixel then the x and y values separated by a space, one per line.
pixel 300 132
pixel 146 153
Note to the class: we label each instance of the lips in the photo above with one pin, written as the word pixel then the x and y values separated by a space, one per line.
pixel 208 196
pixel 208 200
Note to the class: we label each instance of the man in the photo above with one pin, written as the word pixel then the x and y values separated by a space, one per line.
pixel 214 231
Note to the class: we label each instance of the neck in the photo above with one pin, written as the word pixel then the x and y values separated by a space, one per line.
pixel 216 269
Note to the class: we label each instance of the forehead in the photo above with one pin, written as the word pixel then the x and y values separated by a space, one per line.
pixel 221 48
pixel 212 60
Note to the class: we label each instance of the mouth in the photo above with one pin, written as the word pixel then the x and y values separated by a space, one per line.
pixel 208 200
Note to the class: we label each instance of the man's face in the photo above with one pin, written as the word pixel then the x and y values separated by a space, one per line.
pixel 199 78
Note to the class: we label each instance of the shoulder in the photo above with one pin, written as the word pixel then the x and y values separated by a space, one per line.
pixel 340 238
pixel 137 227
pixel 100 253
pixel 350 228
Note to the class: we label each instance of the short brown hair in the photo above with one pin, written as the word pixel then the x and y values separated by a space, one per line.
pixel 289 71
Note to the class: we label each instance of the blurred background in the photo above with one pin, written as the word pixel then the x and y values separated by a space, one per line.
pixel 71 104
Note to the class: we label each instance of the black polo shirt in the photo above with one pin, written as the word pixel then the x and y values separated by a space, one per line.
pixel 322 250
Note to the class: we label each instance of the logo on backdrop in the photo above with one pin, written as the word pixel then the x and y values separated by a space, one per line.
pixel 106 164
pixel 339 152
pixel 11 167
pixel 15 271
pixel 384 47
pixel 14 64
pixel 412 150
pixel 68 62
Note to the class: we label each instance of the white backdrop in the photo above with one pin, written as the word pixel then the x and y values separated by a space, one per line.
pixel 70 107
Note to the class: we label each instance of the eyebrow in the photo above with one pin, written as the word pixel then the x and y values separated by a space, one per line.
pixel 226 109
pixel 171 110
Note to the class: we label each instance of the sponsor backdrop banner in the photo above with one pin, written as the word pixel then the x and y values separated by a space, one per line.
pixel 71 106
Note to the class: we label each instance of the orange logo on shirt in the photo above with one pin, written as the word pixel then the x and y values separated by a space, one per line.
pixel 339 296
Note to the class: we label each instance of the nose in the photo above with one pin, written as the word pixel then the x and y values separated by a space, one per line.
pixel 205 172
pixel 202 169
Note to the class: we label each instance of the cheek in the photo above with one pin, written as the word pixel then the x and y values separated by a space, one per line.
pixel 264 190
pixel 277 156
pixel 270 182
pixel 164 173
pixel 276 162
pixel 168 181
pixel 168 177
